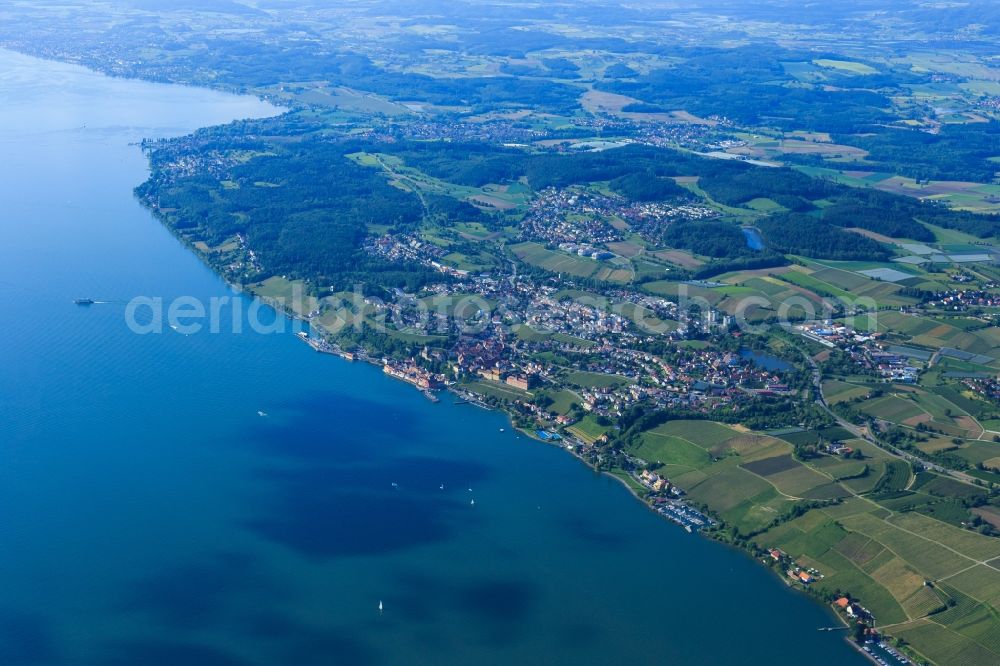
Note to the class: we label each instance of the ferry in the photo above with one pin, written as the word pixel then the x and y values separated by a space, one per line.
pixel 84 301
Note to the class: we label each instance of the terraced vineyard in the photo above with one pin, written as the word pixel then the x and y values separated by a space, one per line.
pixel 874 533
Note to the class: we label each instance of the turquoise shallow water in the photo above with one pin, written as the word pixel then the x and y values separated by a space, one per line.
pixel 149 515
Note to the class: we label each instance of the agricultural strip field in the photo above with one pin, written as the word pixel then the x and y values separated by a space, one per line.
pixel 836 391
pixel 882 558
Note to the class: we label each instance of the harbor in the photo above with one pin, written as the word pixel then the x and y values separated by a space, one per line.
pixel 324 347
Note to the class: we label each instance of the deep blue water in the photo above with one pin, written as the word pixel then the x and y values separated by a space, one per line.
pixel 149 515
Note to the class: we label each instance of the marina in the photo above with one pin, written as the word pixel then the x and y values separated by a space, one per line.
pixel 323 347
pixel 682 514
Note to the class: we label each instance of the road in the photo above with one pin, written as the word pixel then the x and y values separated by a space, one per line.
pixel 817 379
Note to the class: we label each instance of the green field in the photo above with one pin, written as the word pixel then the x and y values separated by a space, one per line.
pixel 562 400
pixel 705 434
pixel 588 429
pixel 290 294
pixel 677 289
pixel 595 379
pixel 892 408
pixel 503 392
pixel 836 391
pixel 809 281
pixel 885 563
pixel 554 261
pixel 676 454
pixel 846 65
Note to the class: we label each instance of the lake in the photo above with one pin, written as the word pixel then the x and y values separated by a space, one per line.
pixel 765 360
pixel 235 498
pixel 754 241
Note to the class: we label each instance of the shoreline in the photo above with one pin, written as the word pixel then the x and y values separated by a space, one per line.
pixel 280 309
pixel 470 398
pixel 467 397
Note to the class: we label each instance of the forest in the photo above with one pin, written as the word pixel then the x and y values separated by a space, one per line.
pixel 791 189
pixel 647 186
pixel 706 82
pixel 880 212
pixel 795 233
pixel 304 209
pixel 476 164
pixel 956 152
pixel 711 239
pixel 645 173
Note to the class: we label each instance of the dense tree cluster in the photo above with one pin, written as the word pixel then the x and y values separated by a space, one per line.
pixel 880 212
pixel 304 210
pixel 647 186
pixel 767 259
pixel 795 233
pixel 619 70
pixel 956 152
pixel 710 238
pixel 448 210
pixel 769 95
pixel 789 188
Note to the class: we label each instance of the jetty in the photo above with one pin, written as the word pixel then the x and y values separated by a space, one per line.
pixel 323 347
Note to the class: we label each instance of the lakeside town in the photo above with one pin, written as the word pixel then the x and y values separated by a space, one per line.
pixel 575 310
pixel 742 263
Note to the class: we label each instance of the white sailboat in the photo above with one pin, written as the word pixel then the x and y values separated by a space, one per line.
pixel 380 606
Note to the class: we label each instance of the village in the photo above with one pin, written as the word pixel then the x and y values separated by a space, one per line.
pixel 870 351
pixel 579 219
pixel 963 300
pixel 509 346
pixel 419 128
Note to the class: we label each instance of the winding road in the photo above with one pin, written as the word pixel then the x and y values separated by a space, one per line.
pixel 860 433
